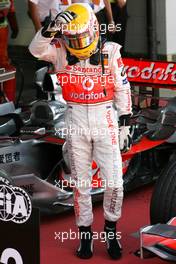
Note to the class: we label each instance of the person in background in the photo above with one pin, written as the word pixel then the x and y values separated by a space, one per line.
pixel 43 11
pixel 103 12
pixel 7 18
pixel 120 15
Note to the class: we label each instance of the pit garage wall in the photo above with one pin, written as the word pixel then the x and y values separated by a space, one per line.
pixel 161 26
pixel 136 37
pixel 136 34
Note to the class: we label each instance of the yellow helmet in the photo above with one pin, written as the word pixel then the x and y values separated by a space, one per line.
pixel 81 34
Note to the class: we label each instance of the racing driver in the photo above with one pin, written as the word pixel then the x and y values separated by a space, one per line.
pixel 93 84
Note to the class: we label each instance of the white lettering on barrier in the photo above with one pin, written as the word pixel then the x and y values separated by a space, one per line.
pixel 149 72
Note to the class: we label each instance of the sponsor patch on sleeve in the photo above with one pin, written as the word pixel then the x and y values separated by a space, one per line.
pixel 119 62
pixel 125 81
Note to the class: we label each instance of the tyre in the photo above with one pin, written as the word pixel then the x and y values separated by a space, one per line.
pixel 163 201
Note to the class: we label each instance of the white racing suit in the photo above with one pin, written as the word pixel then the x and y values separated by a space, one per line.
pixel 91 121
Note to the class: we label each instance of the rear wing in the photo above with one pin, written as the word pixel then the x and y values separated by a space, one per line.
pixel 151 73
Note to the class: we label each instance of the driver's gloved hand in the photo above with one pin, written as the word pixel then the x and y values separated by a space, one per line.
pixel 57 25
pixel 125 139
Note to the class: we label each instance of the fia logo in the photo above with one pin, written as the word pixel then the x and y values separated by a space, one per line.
pixel 11 253
pixel 15 204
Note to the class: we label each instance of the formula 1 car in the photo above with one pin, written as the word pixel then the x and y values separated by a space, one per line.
pixel 160 119
pixel 33 154
pixel 158 240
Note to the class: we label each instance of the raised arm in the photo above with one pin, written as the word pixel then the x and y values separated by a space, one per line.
pixel 42 49
pixel 34 15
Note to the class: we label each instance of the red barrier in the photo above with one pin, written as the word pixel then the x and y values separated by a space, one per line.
pixel 151 73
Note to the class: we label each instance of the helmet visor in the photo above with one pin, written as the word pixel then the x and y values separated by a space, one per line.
pixel 79 41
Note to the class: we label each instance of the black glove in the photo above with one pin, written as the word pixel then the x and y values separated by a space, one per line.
pixel 125 139
pixel 57 25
